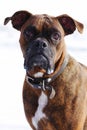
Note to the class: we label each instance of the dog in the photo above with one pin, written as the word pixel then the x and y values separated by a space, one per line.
pixel 55 85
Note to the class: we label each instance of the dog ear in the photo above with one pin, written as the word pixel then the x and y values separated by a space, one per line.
pixel 69 24
pixel 18 19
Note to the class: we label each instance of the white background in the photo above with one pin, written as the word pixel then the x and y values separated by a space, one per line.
pixel 11 61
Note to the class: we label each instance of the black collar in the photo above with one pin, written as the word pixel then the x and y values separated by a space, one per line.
pixel 39 83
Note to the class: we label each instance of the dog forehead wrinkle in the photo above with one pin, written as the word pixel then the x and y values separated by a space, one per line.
pixel 42 102
pixel 40 20
pixel 47 18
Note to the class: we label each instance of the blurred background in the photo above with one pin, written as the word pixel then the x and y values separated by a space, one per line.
pixel 12 73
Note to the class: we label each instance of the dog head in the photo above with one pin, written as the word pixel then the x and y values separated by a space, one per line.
pixel 42 40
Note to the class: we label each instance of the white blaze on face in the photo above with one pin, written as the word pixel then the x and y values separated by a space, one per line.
pixel 42 102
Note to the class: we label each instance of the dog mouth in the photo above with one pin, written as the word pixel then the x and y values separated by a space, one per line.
pixel 37 65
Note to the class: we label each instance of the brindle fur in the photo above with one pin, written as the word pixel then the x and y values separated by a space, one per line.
pixel 67 110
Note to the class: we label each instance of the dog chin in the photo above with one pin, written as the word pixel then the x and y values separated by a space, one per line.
pixel 36 72
pixel 39 73
pixel 38 66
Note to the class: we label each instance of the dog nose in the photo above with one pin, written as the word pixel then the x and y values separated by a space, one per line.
pixel 40 44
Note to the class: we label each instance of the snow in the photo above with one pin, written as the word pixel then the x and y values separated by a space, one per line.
pixel 12 73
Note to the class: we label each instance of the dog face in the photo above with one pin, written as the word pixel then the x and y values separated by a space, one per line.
pixel 42 40
pixel 42 37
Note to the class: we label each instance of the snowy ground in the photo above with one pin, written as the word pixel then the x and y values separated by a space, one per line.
pixel 11 61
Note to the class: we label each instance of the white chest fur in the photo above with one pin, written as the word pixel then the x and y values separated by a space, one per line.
pixel 42 102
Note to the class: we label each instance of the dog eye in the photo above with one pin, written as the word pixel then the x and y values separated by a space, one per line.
pixel 55 36
pixel 28 34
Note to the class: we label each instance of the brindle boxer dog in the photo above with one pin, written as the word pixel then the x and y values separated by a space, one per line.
pixel 55 86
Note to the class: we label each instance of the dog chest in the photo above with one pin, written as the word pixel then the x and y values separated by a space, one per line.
pixel 39 114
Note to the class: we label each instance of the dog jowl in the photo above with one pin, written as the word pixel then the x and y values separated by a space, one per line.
pixel 55 90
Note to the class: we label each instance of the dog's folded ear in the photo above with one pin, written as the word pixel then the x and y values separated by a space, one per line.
pixel 18 19
pixel 69 24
